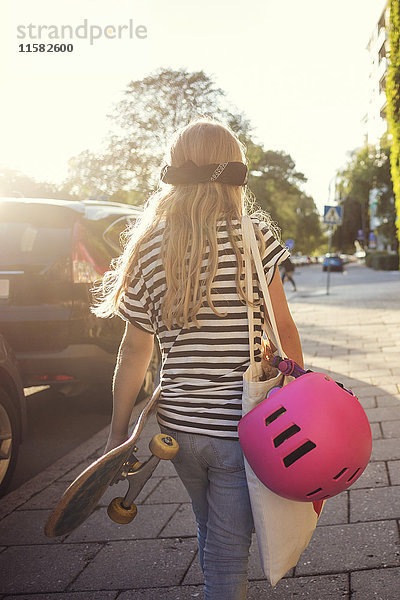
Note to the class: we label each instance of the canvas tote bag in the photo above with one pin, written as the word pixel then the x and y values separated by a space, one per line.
pixel 283 527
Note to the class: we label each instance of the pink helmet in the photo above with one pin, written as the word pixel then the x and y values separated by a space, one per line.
pixel 308 441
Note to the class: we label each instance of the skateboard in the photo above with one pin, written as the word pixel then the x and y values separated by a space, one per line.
pixel 82 496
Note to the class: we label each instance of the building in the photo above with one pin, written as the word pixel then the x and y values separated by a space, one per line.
pixel 378 48
pixel 375 120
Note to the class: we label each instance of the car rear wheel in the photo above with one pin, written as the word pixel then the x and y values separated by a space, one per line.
pixel 9 439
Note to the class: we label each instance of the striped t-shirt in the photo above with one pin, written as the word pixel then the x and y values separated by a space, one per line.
pixel 202 368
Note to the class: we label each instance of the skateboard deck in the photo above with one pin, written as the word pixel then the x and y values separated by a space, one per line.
pixel 82 496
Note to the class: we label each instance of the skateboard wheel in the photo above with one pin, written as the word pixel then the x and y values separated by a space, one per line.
pixel 163 446
pixel 119 514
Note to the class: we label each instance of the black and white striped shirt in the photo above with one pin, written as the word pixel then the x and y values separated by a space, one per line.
pixel 202 368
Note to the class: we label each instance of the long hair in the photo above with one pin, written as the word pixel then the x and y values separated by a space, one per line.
pixel 191 214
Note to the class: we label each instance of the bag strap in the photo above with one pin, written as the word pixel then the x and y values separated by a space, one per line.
pixel 249 289
pixel 251 251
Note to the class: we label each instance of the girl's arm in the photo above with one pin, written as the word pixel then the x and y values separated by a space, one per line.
pixel 286 327
pixel 134 356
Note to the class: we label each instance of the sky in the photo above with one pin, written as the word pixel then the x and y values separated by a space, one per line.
pixel 298 70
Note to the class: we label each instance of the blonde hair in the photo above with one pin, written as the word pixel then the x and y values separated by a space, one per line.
pixel 191 214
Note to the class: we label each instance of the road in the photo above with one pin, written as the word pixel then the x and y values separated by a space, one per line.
pixel 57 424
pixel 353 285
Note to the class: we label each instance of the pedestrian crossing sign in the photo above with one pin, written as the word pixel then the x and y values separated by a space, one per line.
pixel 333 215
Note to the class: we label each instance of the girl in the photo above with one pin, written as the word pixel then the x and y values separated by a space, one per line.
pixel 181 279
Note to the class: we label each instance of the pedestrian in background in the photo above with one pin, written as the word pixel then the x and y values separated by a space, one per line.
pixel 181 279
pixel 288 269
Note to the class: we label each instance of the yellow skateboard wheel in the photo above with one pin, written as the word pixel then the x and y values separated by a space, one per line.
pixel 119 514
pixel 163 446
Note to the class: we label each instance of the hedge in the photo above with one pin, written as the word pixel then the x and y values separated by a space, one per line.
pixel 382 261
pixel 393 100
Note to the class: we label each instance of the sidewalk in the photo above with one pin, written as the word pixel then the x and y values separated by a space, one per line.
pixel 352 334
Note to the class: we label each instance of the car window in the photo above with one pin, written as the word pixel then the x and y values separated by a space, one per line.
pixel 32 234
pixel 112 235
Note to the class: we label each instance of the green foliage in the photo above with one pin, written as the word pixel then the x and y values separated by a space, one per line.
pixel 148 115
pixel 368 169
pixel 382 261
pixel 393 100
pixel 274 180
pixel 14 183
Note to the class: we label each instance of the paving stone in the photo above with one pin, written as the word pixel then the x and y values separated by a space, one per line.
pixel 386 413
pixel 194 575
pixel 48 498
pixel 385 378
pixel 164 561
pixel 341 548
pixel 375 475
pixel 170 593
pixel 382 584
pixel 371 390
pixel 169 490
pixel 182 523
pixel 360 375
pixel 67 596
pixel 374 504
pixel 394 471
pixel 332 587
pixel 53 473
pixel 70 475
pixel 391 429
pixel 38 569
pixel 25 527
pixel 386 449
pixel 335 510
pixel 390 400
pixel 119 490
pixel 376 431
pixel 148 523
pixel 165 468
pixel 368 402
pixel 389 389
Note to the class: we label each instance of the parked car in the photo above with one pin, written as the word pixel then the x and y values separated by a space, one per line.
pixel 333 262
pixel 12 413
pixel 51 252
pixel 300 259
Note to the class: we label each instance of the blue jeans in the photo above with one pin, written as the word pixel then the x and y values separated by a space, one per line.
pixel 212 471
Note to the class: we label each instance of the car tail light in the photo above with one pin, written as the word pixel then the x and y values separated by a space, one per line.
pixel 85 269
pixel 44 378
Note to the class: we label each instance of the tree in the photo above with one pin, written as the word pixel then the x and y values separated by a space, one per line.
pixel 147 116
pixel 15 183
pixel 393 100
pixel 277 186
pixel 367 174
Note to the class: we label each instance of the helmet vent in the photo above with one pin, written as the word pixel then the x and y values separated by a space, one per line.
pixel 285 435
pixel 354 474
pixel 314 492
pixel 340 473
pixel 298 453
pixel 275 415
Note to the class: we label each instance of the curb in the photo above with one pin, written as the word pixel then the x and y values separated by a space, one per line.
pixel 66 463
pixel 41 481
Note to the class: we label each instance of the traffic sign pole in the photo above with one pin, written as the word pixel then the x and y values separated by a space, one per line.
pixel 328 274
pixel 332 216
